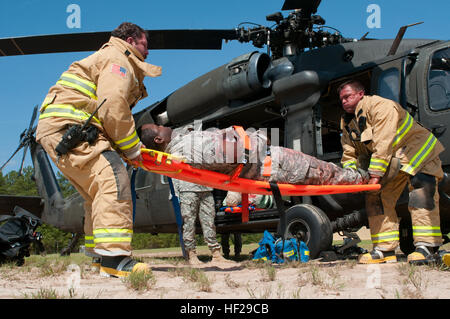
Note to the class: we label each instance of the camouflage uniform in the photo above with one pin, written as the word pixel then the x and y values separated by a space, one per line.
pixel 201 203
pixel 206 150
pixel 196 200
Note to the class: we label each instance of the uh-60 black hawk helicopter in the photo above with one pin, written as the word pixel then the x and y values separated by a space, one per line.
pixel 292 87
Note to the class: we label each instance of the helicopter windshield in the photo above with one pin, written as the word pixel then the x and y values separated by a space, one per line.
pixel 439 81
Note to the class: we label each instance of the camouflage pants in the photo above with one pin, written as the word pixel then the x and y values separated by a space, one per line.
pixel 201 204
pixel 293 167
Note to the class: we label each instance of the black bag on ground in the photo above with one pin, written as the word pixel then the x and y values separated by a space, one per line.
pixel 16 235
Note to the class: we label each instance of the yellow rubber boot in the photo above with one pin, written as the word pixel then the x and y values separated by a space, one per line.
pixel 121 266
pixel 446 259
pixel 378 257
pixel 421 256
pixel 96 262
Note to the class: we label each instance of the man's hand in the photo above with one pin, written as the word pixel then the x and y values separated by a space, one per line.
pixel 135 161
pixel 137 158
pixel 374 179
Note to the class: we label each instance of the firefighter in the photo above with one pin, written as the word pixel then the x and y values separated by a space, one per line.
pixel 113 74
pixel 375 133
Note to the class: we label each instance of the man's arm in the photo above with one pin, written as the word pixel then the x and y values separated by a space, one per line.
pixel 383 119
pixel 116 83
pixel 349 156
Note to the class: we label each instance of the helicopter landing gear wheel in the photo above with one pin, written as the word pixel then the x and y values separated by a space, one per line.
pixel 309 224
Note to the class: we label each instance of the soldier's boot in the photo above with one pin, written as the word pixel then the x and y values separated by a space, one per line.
pixel 218 258
pixel 422 255
pixel 192 258
pixel 121 266
pixel 378 257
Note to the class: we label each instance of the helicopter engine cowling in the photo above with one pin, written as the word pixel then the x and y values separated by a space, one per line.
pixel 239 79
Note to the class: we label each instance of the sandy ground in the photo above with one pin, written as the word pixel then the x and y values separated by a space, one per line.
pixel 174 279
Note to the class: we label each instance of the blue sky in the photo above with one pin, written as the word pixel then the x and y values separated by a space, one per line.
pixel 25 80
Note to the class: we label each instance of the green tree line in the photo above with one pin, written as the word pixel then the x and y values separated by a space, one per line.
pixel 54 240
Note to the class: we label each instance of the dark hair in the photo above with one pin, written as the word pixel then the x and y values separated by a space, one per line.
pixel 148 138
pixel 128 29
pixel 356 85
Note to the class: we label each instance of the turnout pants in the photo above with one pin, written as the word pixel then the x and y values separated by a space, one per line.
pixel 423 206
pixel 97 172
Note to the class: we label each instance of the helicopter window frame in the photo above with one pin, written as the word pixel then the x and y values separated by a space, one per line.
pixel 389 84
pixel 441 83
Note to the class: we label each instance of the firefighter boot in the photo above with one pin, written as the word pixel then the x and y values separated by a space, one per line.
pixel 96 262
pixel 422 255
pixel 121 266
pixel 218 258
pixel 192 258
pixel 446 259
pixel 377 257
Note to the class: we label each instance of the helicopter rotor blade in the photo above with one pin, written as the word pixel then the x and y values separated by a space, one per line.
pixel 9 159
pixel 23 158
pixel 92 41
pixel 33 118
pixel 24 142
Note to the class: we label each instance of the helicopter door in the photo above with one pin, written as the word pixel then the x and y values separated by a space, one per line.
pixel 435 110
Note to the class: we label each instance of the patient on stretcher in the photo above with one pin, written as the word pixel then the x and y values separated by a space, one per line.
pixel 232 151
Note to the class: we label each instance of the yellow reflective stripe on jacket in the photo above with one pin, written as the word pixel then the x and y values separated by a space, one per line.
pixel 403 129
pixel 89 241
pixel 77 83
pixel 384 237
pixel 349 164
pixel 112 235
pixel 66 110
pixel 421 155
pixel 431 231
pixel 128 142
pixel 378 164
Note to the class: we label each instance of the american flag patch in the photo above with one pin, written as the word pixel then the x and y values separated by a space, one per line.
pixel 117 69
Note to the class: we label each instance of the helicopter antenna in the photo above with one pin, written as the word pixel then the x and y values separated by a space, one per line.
pixel 399 37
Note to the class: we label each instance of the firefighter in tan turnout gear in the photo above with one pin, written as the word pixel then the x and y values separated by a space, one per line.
pixel 115 73
pixel 377 133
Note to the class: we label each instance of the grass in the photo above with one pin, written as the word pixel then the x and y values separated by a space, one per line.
pixel 44 293
pixel 140 281
pixel 196 276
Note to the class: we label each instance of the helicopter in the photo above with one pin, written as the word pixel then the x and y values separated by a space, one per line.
pixel 292 87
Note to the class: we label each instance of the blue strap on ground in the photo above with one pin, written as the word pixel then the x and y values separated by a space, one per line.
pixel 179 219
pixel 133 192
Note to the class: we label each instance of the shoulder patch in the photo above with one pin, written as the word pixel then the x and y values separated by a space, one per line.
pixel 120 70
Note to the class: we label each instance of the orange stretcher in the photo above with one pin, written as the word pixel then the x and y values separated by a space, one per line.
pixel 175 167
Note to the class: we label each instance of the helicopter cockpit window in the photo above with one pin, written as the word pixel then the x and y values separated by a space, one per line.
pixel 439 81
pixel 389 84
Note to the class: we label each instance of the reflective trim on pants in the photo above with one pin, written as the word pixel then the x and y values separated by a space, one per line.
pixel 427 231
pixel 112 235
pixel 385 237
